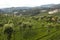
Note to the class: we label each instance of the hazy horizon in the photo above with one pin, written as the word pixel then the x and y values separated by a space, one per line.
pixel 26 3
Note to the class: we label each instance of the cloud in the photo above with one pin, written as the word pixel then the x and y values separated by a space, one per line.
pixel 15 3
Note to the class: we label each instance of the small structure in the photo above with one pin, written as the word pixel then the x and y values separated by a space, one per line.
pixel 43 11
pixel 15 12
pixel 53 12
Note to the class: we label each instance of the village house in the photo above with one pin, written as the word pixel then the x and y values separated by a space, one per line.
pixel 43 11
pixel 54 11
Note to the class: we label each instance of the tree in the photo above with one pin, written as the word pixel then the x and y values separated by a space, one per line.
pixel 9 32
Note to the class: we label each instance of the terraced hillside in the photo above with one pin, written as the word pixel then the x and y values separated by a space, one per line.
pixel 45 27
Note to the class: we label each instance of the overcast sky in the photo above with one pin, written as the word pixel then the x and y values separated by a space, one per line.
pixel 28 3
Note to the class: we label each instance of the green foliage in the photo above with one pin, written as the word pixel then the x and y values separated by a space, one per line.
pixel 29 27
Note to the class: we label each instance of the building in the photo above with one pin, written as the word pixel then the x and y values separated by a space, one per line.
pixel 54 11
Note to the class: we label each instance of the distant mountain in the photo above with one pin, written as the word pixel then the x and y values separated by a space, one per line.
pixel 51 6
pixel 14 8
pixel 48 5
pixel 30 10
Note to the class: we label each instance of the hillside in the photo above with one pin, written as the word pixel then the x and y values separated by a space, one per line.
pixel 30 23
pixel 29 27
pixel 30 10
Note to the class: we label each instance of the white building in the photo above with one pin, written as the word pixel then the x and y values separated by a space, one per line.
pixel 43 10
pixel 53 12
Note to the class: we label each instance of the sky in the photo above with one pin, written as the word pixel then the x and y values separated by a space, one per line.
pixel 26 3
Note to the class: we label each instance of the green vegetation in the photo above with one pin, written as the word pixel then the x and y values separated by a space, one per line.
pixel 46 27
